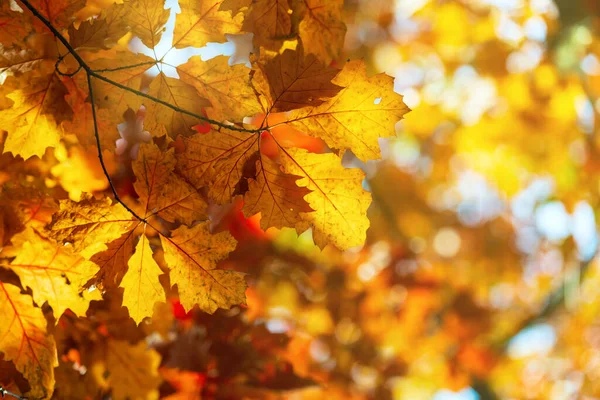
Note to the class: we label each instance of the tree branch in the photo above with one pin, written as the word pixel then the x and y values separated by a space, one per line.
pixel 91 73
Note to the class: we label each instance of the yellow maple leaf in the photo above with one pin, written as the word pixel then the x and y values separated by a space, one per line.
pixel 162 192
pixel 147 19
pixel 33 120
pixel 226 87
pixel 109 96
pixel 337 196
pixel 113 262
pixel 217 159
pixel 132 370
pixel 90 223
pixel 54 273
pixel 25 340
pixel 322 29
pixel 275 196
pixel 364 111
pixel 176 93
pixel 201 21
pixel 141 287
pixel 192 256
pixel 290 80
pixel 270 21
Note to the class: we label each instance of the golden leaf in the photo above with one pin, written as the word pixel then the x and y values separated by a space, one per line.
pixel 107 95
pixel 226 87
pixel 25 341
pixel 112 262
pixel 235 5
pixel 218 159
pixel 364 111
pixel 290 80
pixel 89 223
pixel 270 21
pixel 141 287
pixel 132 370
pixel 104 31
pixel 54 273
pixel 192 256
pixel 322 29
pixel 162 192
pixel 147 19
pixel 179 94
pixel 337 196
pixel 201 21
pixel 275 196
pixel 33 120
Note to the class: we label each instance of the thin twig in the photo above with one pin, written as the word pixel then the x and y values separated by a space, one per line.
pixel 124 67
pixel 91 73
pixel 100 157
pixel 4 392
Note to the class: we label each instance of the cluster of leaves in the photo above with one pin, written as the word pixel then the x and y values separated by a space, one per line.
pixel 83 236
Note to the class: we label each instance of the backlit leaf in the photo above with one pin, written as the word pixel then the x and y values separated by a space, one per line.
pixel 364 111
pixel 55 273
pixel 201 21
pixel 141 287
pixel 192 255
pixel 275 196
pixel 269 20
pixel 132 370
pixel 337 196
pixel 89 223
pixel 226 87
pixel 163 192
pixel 322 29
pixel 294 81
pixel 25 341
pixel 33 120
pixel 179 94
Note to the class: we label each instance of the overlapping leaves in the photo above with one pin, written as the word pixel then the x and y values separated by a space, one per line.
pixel 292 97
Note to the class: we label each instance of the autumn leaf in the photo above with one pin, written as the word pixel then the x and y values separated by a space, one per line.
pixel 112 262
pixel 364 111
pixel 270 21
pixel 201 22
pixel 16 60
pixel 12 28
pixel 162 192
pixel 217 160
pixel 337 196
pixel 103 32
pixel 292 81
pixel 276 196
pixel 147 19
pixel 226 87
pixel 33 120
pixel 179 94
pixel 141 287
pixel 60 12
pixel 25 341
pixel 90 223
pixel 54 273
pixel 322 29
pixel 108 96
pixel 192 256
pixel 132 370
